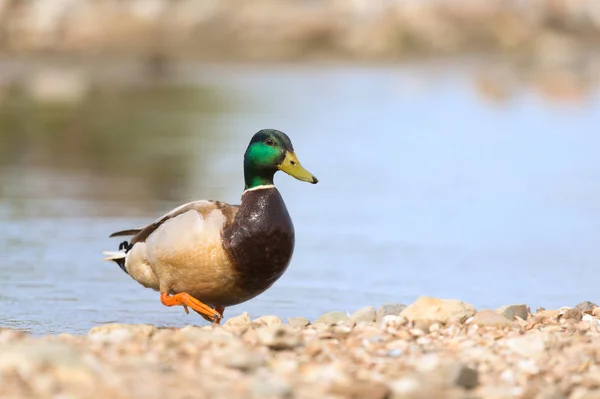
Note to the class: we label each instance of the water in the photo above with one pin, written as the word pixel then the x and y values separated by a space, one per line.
pixel 425 189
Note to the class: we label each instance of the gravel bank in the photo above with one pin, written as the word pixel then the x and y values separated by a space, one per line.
pixel 433 348
pixel 292 30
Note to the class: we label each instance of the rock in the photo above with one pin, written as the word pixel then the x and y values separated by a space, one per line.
pixel 550 393
pixel 489 318
pixel 366 314
pixel 298 322
pixel 572 315
pixel 528 366
pixel 238 324
pixel 333 318
pixel 440 310
pixel 512 311
pixel 413 386
pixel 267 321
pixel 389 309
pixel 532 345
pixel 241 358
pixel 10 335
pixel 586 307
pixel 546 316
pixel 334 372
pixel 121 332
pixel 270 388
pixel 280 337
pixel 209 336
pixel 448 372
pixel 583 393
pixel 589 318
pixel 391 321
pixel 361 390
pixel 27 359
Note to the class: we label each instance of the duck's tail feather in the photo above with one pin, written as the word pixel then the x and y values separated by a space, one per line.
pixel 130 232
pixel 118 257
pixel 114 255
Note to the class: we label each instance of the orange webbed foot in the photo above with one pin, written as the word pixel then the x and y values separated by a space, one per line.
pixel 220 310
pixel 186 300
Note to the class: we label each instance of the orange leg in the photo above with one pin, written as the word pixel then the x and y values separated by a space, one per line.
pixel 184 299
pixel 221 310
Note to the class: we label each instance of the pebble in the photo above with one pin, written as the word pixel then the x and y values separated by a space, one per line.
pixel 393 309
pixel 241 358
pixel 391 321
pixel 270 388
pixel 448 372
pixel 266 321
pixel 367 314
pixel 441 310
pixel 361 390
pixel 489 318
pixel 121 332
pixel 582 393
pixel 333 318
pixel 29 359
pixel 529 346
pixel 586 307
pixel 299 322
pixel 238 324
pixel 512 311
pixel 573 315
pixel 280 337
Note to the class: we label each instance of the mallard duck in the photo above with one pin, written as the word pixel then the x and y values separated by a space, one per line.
pixel 208 255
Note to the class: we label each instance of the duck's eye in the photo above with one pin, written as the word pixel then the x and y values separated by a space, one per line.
pixel 269 142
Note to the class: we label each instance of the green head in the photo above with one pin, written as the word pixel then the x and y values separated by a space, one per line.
pixel 269 151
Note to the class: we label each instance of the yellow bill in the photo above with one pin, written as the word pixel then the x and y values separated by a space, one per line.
pixel 292 167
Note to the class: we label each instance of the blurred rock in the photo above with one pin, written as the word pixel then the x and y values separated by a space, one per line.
pixel 530 346
pixel 361 390
pixel 27 359
pixel 280 337
pixel 586 307
pixel 512 311
pixel 572 315
pixel 583 393
pixel 489 318
pixel 121 332
pixel 271 388
pixel 333 318
pixel 366 314
pixel 393 309
pixel 299 322
pixel 441 310
pixel 241 358
pixel 447 372
pixel 392 321
pixel 266 321
pixel 238 324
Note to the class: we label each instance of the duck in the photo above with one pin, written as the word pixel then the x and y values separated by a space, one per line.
pixel 207 254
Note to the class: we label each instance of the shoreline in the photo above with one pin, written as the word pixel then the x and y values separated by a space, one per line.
pixel 433 348
pixel 294 31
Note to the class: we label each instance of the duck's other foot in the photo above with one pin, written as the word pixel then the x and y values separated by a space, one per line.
pixel 125 246
pixel 219 309
pixel 186 300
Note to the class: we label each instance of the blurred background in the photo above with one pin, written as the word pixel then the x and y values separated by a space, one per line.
pixel 456 144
